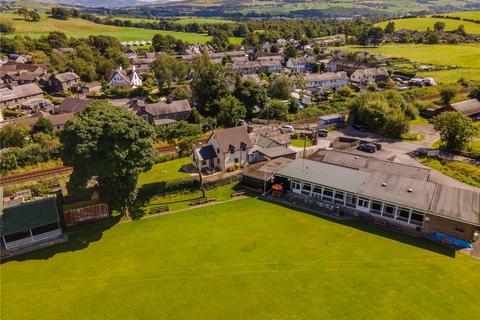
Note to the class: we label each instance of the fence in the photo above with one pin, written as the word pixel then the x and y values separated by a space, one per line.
pixel 85 214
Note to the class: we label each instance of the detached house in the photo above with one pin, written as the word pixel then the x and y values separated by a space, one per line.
pixel 64 82
pixel 125 78
pixel 370 75
pixel 224 149
pixel 162 113
pixel 301 65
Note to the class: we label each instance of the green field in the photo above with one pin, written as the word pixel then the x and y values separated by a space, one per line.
pixel 80 28
pixel 466 15
pixel 165 171
pixel 465 56
pixel 421 24
pixel 300 143
pixel 245 259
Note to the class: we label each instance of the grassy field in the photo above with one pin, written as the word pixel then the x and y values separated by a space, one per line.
pixel 80 28
pixel 300 143
pixel 421 24
pixel 246 259
pixel 464 56
pixel 164 171
pixel 466 15
pixel 187 20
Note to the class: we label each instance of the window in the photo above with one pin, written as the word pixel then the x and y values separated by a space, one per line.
pixel 317 191
pixel 351 200
pixel 459 229
pixel 327 194
pixel 231 149
pixel 307 189
pixel 376 207
pixel 389 211
pixel 416 218
pixel 363 203
pixel 403 214
pixel 339 197
pixel 295 185
pixel 242 146
pixel 218 150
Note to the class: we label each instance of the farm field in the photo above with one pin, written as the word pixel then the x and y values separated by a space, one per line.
pixel 466 15
pixel 245 259
pixel 421 24
pixel 80 28
pixel 463 55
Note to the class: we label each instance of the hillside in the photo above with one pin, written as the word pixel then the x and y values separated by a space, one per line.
pixel 422 24
pixel 80 28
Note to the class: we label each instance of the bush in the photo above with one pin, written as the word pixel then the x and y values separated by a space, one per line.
pixel 231 169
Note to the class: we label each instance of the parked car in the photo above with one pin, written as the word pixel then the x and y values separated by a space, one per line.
pixel 367 147
pixel 359 127
pixel 323 133
pixel 286 128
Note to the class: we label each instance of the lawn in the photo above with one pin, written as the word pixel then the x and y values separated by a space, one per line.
pixel 421 24
pixel 464 56
pixel 466 15
pixel 165 171
pixel 300 143
pixel 80 28
pixel 245 259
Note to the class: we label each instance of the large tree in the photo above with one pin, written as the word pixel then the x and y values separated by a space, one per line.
pixel 13 135
pixel 209 85
pixel 280 88
pixel 231 111
pixel 456 129
pixel 252 95
pixel 112 146
pixel 169 70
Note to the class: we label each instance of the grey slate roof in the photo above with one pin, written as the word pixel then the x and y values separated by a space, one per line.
pixel 232 136
pixel 73 105
pixel 206 152
pixel 160 108
pixel 467 107
pixel 328 76
pixel 276 152
pixel 66 76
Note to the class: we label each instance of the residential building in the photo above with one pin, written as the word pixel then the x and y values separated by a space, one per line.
pixel 16 96
pixel 67 81
pixel 301 65
pixel 325 81
pixel 405 203
pixel 224 149
pixel 470 108
pixel 370 75
pixel 125 78
pixel 158 112
pixel 255 66
pixel 92 88
pixel 58 120
pixel 71 105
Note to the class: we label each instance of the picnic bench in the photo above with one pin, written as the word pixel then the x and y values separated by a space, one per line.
pixel 195 202
pixel 159 209
pixel 237 194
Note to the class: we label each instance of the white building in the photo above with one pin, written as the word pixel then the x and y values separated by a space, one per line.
pixel 126 78
pixel 326 81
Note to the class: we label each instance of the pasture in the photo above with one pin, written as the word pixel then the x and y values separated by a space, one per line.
pixel 475 15
pixel 245 259
pixel 79 28
pixel 422 24
pixel 465 56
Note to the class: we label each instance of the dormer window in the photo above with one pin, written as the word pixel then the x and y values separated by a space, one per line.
pixel 231 149
pixel 243 146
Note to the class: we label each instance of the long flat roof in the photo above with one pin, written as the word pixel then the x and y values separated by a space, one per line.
pixel 337 177
pixel 437 199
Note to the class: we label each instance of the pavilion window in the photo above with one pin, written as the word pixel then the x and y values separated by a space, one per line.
pixel 376 207
pixel 307 189
pixel 403 214
pixel 317 191
pixel 339 197
pixel 364 203
pixel 327 194
pixel 417 218
pixel 389 211
pixel 296 185
pixel 351 200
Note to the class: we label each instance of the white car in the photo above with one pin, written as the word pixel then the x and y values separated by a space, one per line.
pixel 286 128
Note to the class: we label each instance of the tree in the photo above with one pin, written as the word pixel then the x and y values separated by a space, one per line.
pixel 475 93
pixel 60 13
pixel 447 94
pixel 209 85
pixel 168 70
pixel 34 16
pixel 194 116
pixel 455 128
pixel 43 125
pixel 461 30
pixel 293 105
pixel 219 40
pixel 6 27
pixel 275 109
pixel 163 43
pixel 111 145
pixel 375 36
pixel 439 26
pixel 280 88
pixel 57 39
pixel 13 135
pixel 252 95
pixel 231 111
pixel 390 27
pixel 290 52
pixel 432 38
